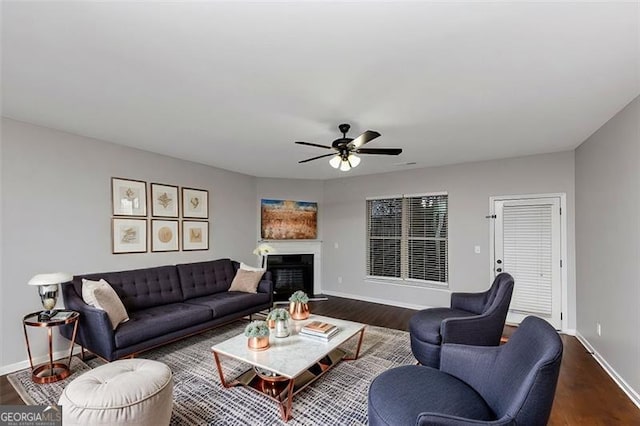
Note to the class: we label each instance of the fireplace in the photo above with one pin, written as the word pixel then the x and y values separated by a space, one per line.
pixel 290 272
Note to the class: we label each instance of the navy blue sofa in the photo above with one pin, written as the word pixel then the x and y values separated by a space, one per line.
pixel 513 384
pixel 164 304
pixel 473 319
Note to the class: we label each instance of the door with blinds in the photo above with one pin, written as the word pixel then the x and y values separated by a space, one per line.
pixel 527 244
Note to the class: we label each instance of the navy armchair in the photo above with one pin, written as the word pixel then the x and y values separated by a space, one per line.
pixel 513 384
pixel 473 319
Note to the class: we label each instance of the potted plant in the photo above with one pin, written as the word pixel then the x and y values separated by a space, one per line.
pixel 263 251
pixel 257 333
pixel 280 318
pixel 298 305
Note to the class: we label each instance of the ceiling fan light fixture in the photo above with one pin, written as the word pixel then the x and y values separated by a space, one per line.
pixel 344 149
pixel 354 160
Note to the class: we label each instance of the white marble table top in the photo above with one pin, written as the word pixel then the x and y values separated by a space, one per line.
pixel 290 356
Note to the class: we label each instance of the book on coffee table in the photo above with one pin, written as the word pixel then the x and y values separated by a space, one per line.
pixel 324 338
pixel 319 329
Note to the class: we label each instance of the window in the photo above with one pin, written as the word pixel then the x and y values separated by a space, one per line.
pixel 407 238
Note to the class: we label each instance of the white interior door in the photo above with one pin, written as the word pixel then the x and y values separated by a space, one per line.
pixel 527 239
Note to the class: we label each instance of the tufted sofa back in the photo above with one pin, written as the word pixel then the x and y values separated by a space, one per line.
pixel 204 278
pixel 140 288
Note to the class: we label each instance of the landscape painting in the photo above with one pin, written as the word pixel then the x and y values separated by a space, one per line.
pixel 289 220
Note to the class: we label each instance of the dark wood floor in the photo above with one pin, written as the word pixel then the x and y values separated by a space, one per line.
pixel 586 395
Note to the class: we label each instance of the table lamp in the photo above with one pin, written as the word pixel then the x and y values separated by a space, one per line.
pixel 48 290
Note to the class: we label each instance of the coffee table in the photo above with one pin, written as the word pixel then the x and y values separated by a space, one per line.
pixel 291 363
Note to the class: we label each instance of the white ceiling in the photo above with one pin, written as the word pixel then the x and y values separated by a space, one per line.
pixel 234 84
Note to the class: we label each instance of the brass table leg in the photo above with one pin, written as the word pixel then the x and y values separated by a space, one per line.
pixel 222 380
pixel 73 340
pixel 26 339
pixel 286 405
pixel 357 354
pixel 50 337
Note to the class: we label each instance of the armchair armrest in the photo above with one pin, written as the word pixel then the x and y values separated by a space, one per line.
pixel 480 330
pixel 471 302
pixel 265 286
pixel 433 419
pixel 94 327
pixel 473 365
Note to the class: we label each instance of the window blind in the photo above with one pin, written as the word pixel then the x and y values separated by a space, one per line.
pixel 527 234
pixel 427 223
pixel 407 237
pixel 385 237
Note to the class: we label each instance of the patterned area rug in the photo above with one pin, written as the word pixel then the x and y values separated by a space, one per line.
pixel 337 398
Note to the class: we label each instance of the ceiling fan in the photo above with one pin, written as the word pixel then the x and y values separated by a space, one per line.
pixel 346 149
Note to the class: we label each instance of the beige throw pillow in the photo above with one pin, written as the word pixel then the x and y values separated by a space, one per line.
pixel 246 281
pixel 102 296
pixel 88 286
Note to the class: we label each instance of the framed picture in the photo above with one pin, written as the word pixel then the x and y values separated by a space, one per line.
pixel 164 235
pixel 129 235
pixel 195 235
pixel 288 220
pixel 129 197
pixel 195 203
pixel 164 200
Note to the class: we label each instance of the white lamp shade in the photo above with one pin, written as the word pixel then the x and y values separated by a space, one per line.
pixel 344 166
pixel 335 161
pixel 354 160
pixel 53 278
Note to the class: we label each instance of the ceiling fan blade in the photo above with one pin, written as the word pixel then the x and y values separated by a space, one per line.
pixel 367 136
pixel 314 144
pixel 380 151
pixel 315 158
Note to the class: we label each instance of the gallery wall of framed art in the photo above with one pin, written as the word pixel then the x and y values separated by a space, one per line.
pixel 176 218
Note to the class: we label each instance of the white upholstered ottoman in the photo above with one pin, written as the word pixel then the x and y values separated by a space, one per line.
pixel 126 392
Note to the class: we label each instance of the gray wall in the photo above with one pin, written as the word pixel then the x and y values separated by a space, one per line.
pixel 469 187
pixel 56 214
pixel 608 241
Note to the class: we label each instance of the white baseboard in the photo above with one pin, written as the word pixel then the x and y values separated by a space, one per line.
pixel 375 300
pixel 21 365
pixel 626 388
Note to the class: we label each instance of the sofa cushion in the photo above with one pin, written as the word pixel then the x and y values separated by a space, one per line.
pixel 140 288
pixel 425 324
pixel 151 322
pixel 398 396
pixel 229 302
pixel 204 278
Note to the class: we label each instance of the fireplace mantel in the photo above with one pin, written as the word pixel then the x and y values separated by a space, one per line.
pixel 302 247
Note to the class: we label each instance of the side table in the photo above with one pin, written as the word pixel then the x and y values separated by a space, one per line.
pixel 51 371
